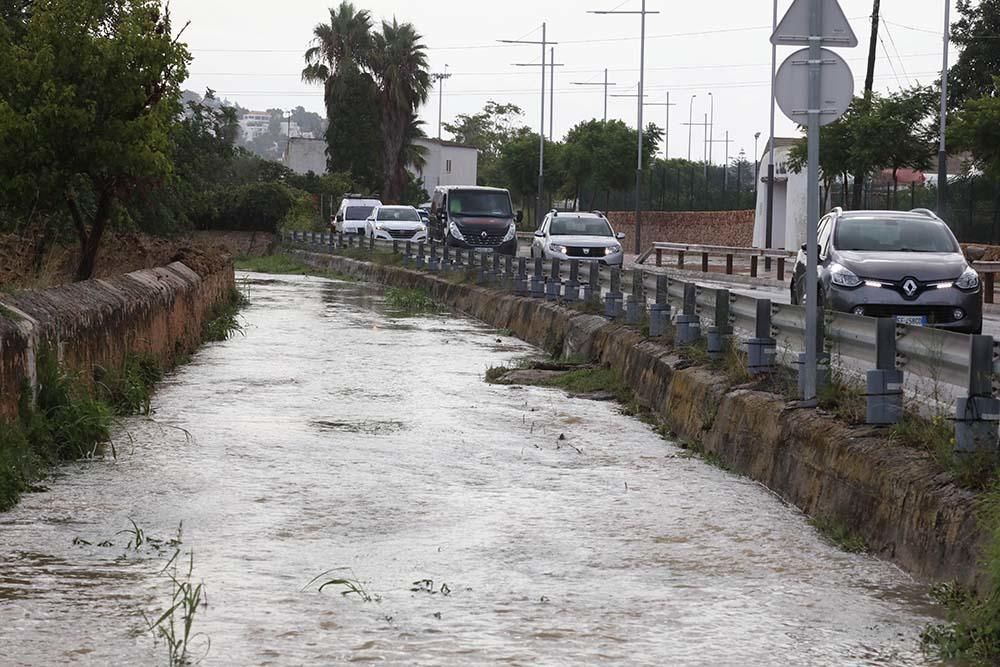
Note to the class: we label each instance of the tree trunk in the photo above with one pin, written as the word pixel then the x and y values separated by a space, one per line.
pixel 856 194
pixel 895 188
pixel 90 240
pixel 392 144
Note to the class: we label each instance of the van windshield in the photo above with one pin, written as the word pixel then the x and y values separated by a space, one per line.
pixel 479 203
pixel 889 235
pixel 358 212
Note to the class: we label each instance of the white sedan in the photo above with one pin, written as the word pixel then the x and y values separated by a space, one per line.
pixel 399 223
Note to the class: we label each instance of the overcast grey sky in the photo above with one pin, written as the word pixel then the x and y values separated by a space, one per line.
pixel 251 52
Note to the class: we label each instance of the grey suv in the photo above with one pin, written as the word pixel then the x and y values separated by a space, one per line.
pixel 892 264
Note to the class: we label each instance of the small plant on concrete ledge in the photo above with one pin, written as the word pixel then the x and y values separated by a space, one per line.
pixel 224 322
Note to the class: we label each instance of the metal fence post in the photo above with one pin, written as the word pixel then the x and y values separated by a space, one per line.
pixel 885 384
pixel 371 244
pixel 613 299
pixel 521 281
pixel 395 247
pixel 340 239
pixel 688 325
pixel 659 312
pixel 976 416
pixel 636 300
pixel 434 263
pixel 408 256
pixel 572 288
pixel 762 347
pixel 592 290
pixel 720 331
pixel 421 258
pixel 553 286
pixel 508 273
pixel 538 279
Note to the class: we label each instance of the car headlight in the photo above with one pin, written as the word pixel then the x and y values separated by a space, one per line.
pixel 613 249
pixel 554 247
pixel 511 233
pixel 844 277
pixel 968 280
pixel 455 233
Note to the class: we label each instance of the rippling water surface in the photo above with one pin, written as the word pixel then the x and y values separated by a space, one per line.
pixel 337 436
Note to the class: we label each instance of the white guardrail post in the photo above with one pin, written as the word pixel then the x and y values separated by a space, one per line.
pixel 885 382
pixel 762 347
pixel 688 325
pixel 977 415
pixel 719 332
pixel 659 312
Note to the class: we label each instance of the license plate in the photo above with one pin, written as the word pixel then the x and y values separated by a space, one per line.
pixel 484 250
pixel 912 320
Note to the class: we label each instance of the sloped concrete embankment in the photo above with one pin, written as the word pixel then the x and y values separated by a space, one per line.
pixel 98 323
pixel 905 508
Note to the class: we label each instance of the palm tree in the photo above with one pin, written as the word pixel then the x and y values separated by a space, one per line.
pixel 399 65
pixel 414 155
pixel 345 41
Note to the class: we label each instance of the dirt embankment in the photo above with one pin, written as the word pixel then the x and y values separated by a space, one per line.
pixel 26 262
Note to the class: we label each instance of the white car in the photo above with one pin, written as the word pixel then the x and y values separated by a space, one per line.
pixel 583 236
pixel 399 223
pixel 353 214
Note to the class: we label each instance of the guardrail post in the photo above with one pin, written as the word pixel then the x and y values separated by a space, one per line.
pixel 421 259
pixel 538 279
pixel 371 244
pixel 659 312
pixel 553 286
pixel 659 257
pixel 434 263
pixel 572 289
pixel 521 281
pixel 753 266
pixel 762 347
pixel 331 241
pixel 508 272
pixel 704 262
pixel 494 274
pixel 613 299
pixel 781 269
pixel 592 290
pixel 340 239
pixel 720 330
pixel 885 383
pixel 688 325
pixel 636 300
pixel 395 247
pixel 680 259
pixel 988 285
pixel 976 416
pixel 729 264
pixel 408 253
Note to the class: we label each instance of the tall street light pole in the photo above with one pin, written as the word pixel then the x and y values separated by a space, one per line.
pixel 642 78
pixel 942 186
pixel 756 165
pixel 711 127
pixel 666 127
pixel 606 85
pixel 541 129
pixel 440 78
pixel 769 215
pixel 552 91
pixel 690 124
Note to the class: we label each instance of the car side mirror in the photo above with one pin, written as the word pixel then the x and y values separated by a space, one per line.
pixel 340 217
pixel 540 234
pixel 519 217
pixel 620 236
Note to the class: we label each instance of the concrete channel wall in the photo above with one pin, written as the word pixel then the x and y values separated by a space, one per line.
pixel 905 508
pixel 97 323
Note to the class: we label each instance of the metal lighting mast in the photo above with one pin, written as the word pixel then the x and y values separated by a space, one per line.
pixel 642 78
pixel 606 85
pixel 942 151
pixel 440 78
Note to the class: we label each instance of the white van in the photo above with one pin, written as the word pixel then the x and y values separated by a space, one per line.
pixel 354 212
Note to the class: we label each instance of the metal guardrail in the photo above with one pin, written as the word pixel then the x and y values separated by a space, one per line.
pixel 930 354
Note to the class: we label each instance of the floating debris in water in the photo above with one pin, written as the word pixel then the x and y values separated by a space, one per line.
pixel 365 426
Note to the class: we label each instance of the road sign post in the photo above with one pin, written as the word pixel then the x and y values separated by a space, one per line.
pixel 813 87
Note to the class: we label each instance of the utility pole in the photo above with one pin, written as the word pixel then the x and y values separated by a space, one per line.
pixel 756 167
pixel 541 129
pixel 725 173
pixel 711 127
pixel 440 78
pixel 642 78
pixel 606 85
pixel 552 91
pixel 870 74
pixel 942 186
pixel 690 122
pixel 769 216
pixel 666 127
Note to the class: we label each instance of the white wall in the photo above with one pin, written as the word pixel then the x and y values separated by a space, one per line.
pixel 464 164
pixel 305 155
pixel 790 199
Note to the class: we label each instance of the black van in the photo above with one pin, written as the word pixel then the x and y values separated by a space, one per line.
pixel 466 216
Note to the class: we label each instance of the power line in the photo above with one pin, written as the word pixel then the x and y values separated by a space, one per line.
pixel 896 50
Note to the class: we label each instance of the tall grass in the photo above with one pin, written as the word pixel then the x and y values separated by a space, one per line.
pixel 410 300
pixel 224 321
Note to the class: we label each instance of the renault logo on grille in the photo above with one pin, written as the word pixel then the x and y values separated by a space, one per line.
pixel 586 251
pixel 484 235
pixel 909 287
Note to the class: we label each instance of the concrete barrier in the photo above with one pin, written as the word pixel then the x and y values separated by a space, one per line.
pixel 97 323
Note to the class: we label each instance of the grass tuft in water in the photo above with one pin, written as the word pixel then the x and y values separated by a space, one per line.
pixel 128 389
pixel 410 300
pixel 224 322
pixel 841 534
pixel 174 626
pixel 348 585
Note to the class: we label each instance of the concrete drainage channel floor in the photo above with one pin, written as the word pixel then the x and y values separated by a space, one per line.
pixel 339 436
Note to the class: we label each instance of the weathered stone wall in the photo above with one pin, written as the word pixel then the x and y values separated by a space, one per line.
pixel 905 508
pixel 97 323
pixel 732 228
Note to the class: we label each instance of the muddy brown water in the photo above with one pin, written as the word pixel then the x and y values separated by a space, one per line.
pixel 338 436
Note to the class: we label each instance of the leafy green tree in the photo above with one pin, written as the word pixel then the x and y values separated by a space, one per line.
pixel 601 157
pixel 399 63
pixel 977 35
pixel 489 131
pixel 976 128
pixel 88 92
pixel 908 132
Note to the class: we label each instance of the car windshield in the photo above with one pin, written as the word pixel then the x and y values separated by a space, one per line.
pixel 398 215
pixel 574 226
pixel 479 203
pixel 358 212
pixel 893 235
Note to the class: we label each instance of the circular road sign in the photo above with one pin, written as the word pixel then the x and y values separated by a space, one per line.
pixel 791 87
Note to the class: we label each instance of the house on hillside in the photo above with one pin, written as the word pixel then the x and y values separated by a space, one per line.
pixel 305 155
pixel 448 163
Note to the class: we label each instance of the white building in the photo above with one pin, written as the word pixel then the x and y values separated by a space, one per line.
pixel 254 124
pixel 788 230
pixel 448 163
pixel 305 155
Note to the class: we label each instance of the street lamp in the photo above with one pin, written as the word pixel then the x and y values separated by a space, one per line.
pixel 690 124
pixel 756 164
pixel 942 185
pixel 606 85
pixel 711 127
pixel 440 78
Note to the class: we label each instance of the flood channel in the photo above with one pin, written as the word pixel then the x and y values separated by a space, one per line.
pixel 336 436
